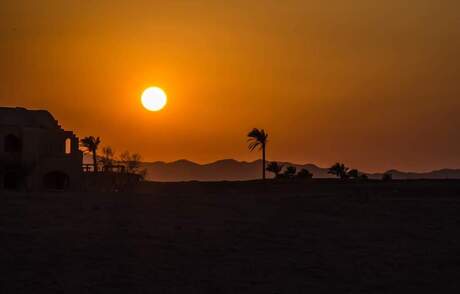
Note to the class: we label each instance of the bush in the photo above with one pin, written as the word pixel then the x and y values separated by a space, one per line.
pixel 387 177
pixel 304 174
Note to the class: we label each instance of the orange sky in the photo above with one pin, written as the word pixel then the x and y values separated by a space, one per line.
pixel 374 84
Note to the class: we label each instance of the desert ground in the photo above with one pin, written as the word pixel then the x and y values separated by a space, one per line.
pixel 321 236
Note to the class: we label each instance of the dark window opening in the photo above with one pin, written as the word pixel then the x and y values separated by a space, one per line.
pixel 12 143
pixel 56 180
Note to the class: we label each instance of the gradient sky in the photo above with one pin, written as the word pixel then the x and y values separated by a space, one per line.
pixel 374 84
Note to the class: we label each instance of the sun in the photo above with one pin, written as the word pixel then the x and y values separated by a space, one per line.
pixel 154 99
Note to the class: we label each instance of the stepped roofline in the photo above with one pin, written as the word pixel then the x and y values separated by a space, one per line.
pixel 18 116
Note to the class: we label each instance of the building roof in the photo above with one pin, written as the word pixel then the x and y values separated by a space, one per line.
pixel 17 116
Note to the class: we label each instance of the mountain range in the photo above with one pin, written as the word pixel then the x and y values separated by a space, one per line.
pixel 233 170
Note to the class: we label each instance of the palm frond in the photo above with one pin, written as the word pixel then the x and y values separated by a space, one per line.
pixel 254 133
pixel 253 145
pixel 90 143
pixel 257 138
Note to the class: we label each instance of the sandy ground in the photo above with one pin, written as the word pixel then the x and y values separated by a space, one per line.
pixel 319 237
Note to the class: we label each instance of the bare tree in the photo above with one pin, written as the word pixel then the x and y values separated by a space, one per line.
pixel 108 156
pixel 132 163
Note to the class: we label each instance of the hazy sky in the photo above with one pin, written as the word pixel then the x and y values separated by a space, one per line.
pixel 375 84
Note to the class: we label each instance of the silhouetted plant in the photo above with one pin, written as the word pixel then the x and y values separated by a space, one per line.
pixel 357 175
pixel 275 167
pixel 107 158
pixel 290 172
pixel 353 174
pixel 91 144
pixel 387 177
pixel 304 174
pixel 132 163
pixel 258 138
pixel 339 170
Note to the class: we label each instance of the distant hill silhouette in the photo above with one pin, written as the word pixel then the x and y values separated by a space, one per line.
pixel 233 170
pixel 436 174
pixel 222 170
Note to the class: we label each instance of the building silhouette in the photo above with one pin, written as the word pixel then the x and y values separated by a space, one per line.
pixel 36 154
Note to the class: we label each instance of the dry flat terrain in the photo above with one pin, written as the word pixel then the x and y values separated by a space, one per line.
pixel 246 237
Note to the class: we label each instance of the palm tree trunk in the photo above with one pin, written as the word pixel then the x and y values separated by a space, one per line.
pixel 263 162
pixel 95 161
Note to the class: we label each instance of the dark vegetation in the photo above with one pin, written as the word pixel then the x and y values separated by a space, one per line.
pixel 110 173
pixel 289 173
pixel 258 139
pixel 126 163
pixel 343 172
pixel 91 144
pixel 319 236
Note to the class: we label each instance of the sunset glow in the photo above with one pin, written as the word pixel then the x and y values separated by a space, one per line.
pixel 379 77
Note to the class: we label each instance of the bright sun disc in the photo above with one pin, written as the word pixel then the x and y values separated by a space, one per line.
pixel 154 99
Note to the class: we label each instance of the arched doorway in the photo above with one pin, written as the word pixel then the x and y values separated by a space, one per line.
pixel 56 180
pixel 12 143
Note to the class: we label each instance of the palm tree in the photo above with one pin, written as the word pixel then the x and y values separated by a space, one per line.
pixel 275 167
pixel 91 144
pixel 258 138
pixel 339 170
